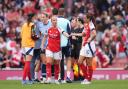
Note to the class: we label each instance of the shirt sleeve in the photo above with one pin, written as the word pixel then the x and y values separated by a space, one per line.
pixel 68 28
pixel 60 30
pixel 83 30
pixel 91 26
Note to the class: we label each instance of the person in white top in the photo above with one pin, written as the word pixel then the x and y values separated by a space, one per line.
pixel 88 49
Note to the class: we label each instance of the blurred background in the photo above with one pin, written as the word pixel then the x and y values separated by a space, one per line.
pixel 111 21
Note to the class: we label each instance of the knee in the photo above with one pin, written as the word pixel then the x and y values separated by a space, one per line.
pixel 89 62
pixel 49 60
pixel 56 62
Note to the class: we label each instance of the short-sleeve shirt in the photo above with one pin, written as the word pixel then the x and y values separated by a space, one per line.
pixel 41 29
pixel 54 35
pixel 87 30
pixel 65 25
pixel 78 38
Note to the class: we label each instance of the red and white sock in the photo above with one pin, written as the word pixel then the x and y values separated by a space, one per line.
pixel 28 70
pixel 25 70
pixel 48 70
pixel 90 72
pixel 84 70
pixel 56 71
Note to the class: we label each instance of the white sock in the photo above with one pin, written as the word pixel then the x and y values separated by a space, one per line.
pixel 68 74
pixel 59 77
pixel 36 75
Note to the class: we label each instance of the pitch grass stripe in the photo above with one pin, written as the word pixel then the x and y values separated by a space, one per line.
pixel 96 84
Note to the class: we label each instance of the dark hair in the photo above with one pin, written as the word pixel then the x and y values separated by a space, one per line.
pixel 81 20
pixel 72 18
pixel 90 17
pixel 61 11
pixel 55 11
pixel 30 16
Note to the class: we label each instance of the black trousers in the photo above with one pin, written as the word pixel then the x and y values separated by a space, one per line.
pixel 62 72
pixel 66 52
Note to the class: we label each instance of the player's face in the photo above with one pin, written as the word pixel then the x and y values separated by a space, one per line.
pixel 86 20
pixel 54 21
pixel 44 18
pixel 74 22
pixel 34 18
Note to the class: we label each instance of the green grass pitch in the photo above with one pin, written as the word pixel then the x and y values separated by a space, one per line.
pixel 96 84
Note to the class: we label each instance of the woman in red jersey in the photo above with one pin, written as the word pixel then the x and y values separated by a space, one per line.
pixel 53 50
pixel 88 49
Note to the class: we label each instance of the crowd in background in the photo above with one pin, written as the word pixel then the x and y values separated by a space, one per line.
pixel 111 21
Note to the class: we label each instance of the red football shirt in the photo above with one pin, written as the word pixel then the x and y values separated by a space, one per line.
pixel 87 32
pixel 54 39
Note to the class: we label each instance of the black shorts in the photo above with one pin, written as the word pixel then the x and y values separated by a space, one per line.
pixel 66 51
pixel 75 51
pixel 42 51
pixel 36 54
